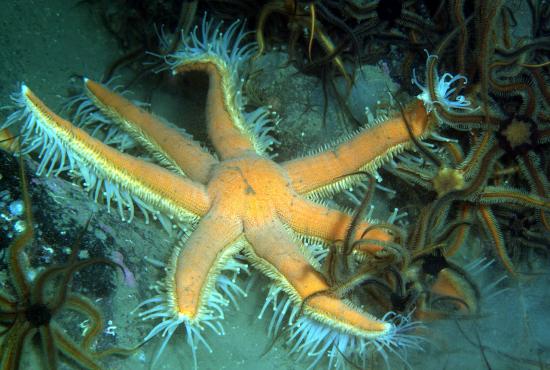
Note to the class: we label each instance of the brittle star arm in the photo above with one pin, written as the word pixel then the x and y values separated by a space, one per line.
pixel 364 152
pixel 165 191
pixel 166 145
pixel 277 254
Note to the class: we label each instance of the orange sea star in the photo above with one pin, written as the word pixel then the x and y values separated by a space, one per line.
pixel 240 200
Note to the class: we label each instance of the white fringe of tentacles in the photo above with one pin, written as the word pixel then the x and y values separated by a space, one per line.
pixel 311 339
pixel 225 291
pixel 231 55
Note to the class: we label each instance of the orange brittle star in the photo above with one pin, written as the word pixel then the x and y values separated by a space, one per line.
pixel 240 200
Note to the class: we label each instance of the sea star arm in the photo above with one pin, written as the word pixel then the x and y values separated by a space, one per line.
pixel 311 219
pixel 366 151
pixel 276 253
pixel 165 144
pixel 222 120
pixel 200 261
pixel 223 54
pixel 158 187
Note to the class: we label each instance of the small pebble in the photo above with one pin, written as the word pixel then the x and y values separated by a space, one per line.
pixel 17 208
pixel 19 226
